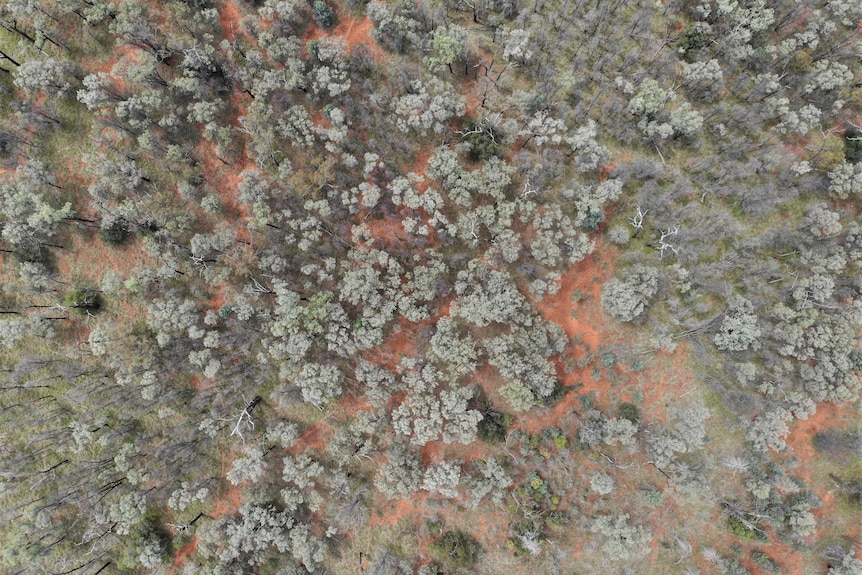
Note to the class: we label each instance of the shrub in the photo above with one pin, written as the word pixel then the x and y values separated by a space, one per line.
pixel 838 442
pixel 741 530
pixel 652 496
pixel 692 39
pixel 853 146
pixel 629 411
pixel 765 561
pixel 731 566
pixel 608 359
pixel 492 427
pixel 602 483
pixel 592 218
pixel 114 233
pixel 455 549
pixel 628 298
pixel 83 300
pixel 482 142
pixel 323 14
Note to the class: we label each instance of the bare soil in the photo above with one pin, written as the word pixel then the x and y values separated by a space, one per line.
pixel 353 30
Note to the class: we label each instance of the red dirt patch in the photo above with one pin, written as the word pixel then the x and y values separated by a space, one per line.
pixel 182 555
pixel 583 282
pixel 87 259
pixel 228 498
pixel 472 98
pixel 576 308
pixel 315 437
pixel 800 439
pixel 353 30
pixel 229 16
pixel 121 56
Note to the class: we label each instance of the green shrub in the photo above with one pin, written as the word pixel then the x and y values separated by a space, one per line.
pixel 33 253
pixel 482 142
pixel 629 411
pixel 592 219
pixel 741 530
pixel 839 443
pixel 492 427
pixel 608 359
pixel 83 300
pixel 765 561
pixel 323 14
pixel 692 39
pixel 455 549
pixel 652 496
pixel 115 233
pixel 731 566
pixel 853 146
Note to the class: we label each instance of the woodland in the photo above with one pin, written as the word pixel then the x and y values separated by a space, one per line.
pixel 430 287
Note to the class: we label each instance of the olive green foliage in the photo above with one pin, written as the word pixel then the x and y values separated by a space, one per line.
pixel 765 561
pixel 455 549
pixel 652 496
pixel 482 141
pixel 492 427
pixel 692 38
pixel 853 145
pixel 745 530
pixel 629 411
pixel 83 300
pixel 116 233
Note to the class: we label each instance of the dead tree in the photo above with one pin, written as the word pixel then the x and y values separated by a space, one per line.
pixel 638 221
pixel 244 420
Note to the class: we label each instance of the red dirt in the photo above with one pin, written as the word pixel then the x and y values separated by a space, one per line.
pixel 799 440
pixel 390 513
pixel 437 451
pixel 228 498
pixel 387 231
pixel 314 437
pixel 87 259
pixel 120 56
pixel 472 99
pixel 489 527
pixel 228 17
pixel 182 555
pixel 353 30
pixel 802 452
pixel 217 300
pixel 402 342
pixel 420 164
pixel 580 320
pixel 221 177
